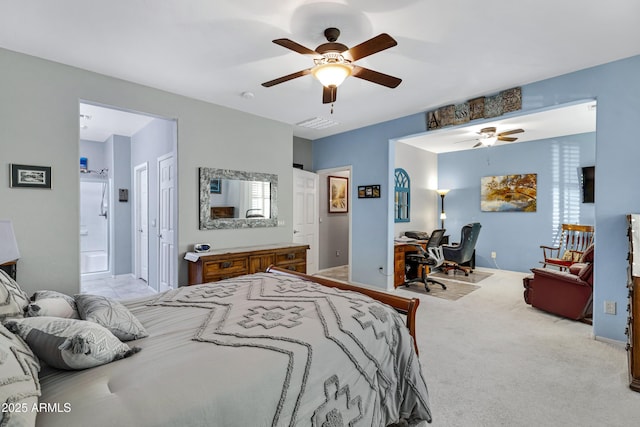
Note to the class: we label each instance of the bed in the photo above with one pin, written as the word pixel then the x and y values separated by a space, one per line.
pixel 267 349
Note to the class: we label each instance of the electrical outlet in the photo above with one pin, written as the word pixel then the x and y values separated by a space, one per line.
pixel 493 255
pixel 610 307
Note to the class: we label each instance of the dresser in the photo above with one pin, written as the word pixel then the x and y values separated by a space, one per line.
pixel 221 264
pixel 633 283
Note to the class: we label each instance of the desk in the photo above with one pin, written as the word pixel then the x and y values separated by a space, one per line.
pixel 400 249
pixel 11 268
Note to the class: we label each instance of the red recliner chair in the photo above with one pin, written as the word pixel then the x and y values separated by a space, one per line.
pixel 565 293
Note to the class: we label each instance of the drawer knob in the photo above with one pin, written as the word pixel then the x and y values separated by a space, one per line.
pixel 226 264
pixel 292 267
pixel 291 256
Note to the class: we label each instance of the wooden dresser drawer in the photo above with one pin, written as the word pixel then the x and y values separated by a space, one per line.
pixel 225 267
pixel 291 256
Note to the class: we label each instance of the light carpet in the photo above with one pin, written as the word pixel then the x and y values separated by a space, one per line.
pixel 491 360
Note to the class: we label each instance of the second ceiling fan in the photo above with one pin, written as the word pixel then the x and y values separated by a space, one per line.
pixel 333 63
pixel 489 136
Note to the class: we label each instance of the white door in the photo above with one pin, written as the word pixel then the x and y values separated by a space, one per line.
pixel 167 258
pixel 305 214
pixel 142 221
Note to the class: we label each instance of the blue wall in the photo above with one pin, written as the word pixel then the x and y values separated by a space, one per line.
pixel 516 236
pixel 368 151
pixel 617 89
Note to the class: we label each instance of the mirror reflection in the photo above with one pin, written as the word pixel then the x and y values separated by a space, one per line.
pixel 237 199
pixel 234 198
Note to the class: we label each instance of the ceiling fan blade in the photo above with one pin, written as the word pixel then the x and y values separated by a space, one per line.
pixel 375 77
pixel 296 47
pixel 329 94
pixel 479 144
pixel 509 132
pixel 371 46
pixel 487 130
pixel 506 138
pixel 287 78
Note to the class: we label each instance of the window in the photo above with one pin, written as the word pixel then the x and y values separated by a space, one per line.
pixel 260 199
pixel 402 201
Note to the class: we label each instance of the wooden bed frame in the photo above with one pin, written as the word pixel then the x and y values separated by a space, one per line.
pixel 402 305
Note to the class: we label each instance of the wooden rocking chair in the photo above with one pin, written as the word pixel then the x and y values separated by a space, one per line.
pixel 574 240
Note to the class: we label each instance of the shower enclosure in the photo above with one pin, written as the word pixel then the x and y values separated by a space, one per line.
pixel 94 223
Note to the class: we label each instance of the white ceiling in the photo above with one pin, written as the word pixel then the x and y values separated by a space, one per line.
pixel 549 123
pixel 99 123
pixel 448 51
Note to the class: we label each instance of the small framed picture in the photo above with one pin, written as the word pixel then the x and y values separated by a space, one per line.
pixel 25 176
pixel 369 191
pixel 215 186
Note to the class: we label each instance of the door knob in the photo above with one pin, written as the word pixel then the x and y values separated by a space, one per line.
pixel 295 231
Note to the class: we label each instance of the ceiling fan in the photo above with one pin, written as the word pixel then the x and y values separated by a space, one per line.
pixel 333 62
pixel 489 136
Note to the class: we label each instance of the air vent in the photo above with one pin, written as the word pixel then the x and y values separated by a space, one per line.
pixel 317 123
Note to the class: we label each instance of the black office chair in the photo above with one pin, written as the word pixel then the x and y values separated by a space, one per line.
pixel 430 259
pixel 462 253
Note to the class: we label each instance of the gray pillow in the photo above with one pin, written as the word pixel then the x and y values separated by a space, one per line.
pixel 52 303
pixel 112 315
pixel 69 343
pixel 19 384
pixel 13 300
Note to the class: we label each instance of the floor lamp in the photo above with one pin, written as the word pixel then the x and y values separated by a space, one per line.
pixel 443 215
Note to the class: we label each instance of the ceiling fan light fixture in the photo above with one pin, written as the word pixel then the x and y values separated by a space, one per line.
pixel 332 74
pixel 488 140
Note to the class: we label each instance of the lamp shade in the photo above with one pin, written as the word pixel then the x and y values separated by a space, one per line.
pixel 443 192
pixel 8 244
pixel 332 74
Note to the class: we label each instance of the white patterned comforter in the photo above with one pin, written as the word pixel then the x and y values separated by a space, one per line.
pixel 258 350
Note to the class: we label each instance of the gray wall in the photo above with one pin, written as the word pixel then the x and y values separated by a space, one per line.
pixel 46 222
pixel 303 153
pixel 120 147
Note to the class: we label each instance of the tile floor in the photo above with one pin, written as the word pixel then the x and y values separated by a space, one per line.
pixel 120 287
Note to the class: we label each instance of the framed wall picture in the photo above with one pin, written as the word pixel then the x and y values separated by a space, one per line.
pixel 368 191
pixel 338 190
pixel 215 186
pixel 25 176
pixel 509 193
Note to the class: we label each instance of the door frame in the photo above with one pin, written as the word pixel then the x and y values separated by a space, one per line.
pixel 137 170
pixel 323 189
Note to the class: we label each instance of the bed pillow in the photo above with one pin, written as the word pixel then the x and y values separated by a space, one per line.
pixel 112 315
pixel 69 343
pixel 19 384
pixel 52 303
pixel 13 300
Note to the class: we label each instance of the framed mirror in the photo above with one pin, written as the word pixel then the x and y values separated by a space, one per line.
pixel 237 199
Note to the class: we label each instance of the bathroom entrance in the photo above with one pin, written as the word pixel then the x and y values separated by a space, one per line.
pixel 94 222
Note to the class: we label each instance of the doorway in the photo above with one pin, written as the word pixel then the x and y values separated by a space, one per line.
pixel 127 146
pixel 335 228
